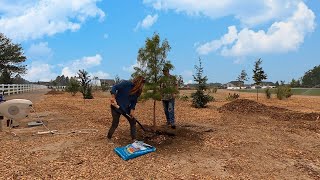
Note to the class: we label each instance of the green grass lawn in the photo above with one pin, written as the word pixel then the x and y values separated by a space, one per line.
pixel 295 91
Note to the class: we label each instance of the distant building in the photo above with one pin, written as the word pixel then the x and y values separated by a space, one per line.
pixel 107 82
pixel 264 85
pixel 234 85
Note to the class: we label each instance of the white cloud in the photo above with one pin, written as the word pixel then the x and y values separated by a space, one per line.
pixel 100 75
pixel 187 76
pixel 72 68
pixel 147 22
pixel 130 69
pixel 246 11
pixel 189 82
pixel 34 19
pixel 40 52
pixel 39 71
pixel 282 36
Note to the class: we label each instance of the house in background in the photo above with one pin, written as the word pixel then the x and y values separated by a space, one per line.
pixel 107 82
pixel 264 85
pixel 234 85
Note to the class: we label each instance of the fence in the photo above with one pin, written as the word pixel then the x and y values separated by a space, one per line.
pixel 8 89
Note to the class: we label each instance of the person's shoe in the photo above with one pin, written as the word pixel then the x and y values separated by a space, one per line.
pixel 109 141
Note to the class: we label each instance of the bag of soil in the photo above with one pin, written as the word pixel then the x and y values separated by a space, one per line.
pixel 136 149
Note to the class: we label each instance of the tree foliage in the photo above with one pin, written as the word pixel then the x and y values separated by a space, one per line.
pixel 11 56
pixel 242 77
pixel 199 99
pixel 312 77
pixel 73 86
pixel 85 87
pixel 5 77
pixel 258 74
pixel 152 58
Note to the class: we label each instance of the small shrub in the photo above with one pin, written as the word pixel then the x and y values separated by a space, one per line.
pixel 184 98
pixel 232 97
pixel 268 93
pixel 283 92
pixel 73 86
pixel 214 90
pixel 200 99
pixel 104 87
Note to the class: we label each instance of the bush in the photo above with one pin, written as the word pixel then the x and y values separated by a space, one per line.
pixel 200 99
pixel 283 92
pixel 104 87
pixel 184 98
pixel 232 97
pixel 214 90
pixel 268 93
pixel 73 86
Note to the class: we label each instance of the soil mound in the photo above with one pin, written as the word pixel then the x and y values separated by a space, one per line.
pixel 246 106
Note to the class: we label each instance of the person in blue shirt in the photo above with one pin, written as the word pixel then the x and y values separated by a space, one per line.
pixel 125 95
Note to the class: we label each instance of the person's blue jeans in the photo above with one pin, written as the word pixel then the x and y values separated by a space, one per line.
pixel 168 106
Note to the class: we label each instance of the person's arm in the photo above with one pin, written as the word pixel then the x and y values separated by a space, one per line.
pixel 114 91
pixel 133 104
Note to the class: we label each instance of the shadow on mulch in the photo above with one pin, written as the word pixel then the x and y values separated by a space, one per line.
pixel 245 106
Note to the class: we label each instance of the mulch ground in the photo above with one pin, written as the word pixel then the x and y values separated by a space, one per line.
pixel 242 139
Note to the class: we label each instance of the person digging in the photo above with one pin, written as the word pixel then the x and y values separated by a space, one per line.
pixel 125 95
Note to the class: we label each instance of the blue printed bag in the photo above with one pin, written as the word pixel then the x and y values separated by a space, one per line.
pixel 130 151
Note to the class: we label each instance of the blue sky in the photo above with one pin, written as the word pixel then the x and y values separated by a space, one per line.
pixel 104 36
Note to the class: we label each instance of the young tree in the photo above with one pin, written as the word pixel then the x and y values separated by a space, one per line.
pixel 199 98
pixel 242 78
pixel 73 86
pixel 180 81
pixel 151 60
pixel 11 56
pixel 258 74
pixel 117 79
pixel 85 87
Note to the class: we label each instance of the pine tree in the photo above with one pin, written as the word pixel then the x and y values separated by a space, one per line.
pixel 199 98
pixel 85 87
pixel 258 74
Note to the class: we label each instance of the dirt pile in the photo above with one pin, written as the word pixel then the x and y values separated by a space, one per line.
pixel 245 106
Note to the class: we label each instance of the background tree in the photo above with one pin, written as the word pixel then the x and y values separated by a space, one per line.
pixel 5 77
pixel 151 60
pixel 180 81
pixel 11 57
pixel 312 77
pixel 199 98
pixel 19 80
pixel 73 86
pixel 242 78
pixel 117 79
pixel 85 87
pixel 258 75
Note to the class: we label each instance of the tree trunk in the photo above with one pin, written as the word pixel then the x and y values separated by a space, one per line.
pixel 154 114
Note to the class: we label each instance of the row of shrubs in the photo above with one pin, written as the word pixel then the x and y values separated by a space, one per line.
pixel 282 92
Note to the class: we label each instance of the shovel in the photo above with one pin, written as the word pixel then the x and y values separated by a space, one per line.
pixel 155 133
